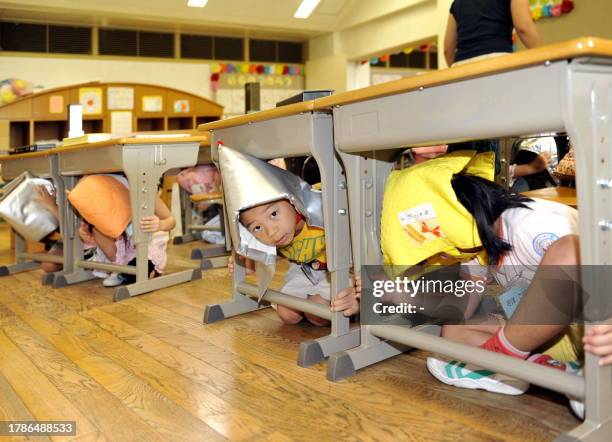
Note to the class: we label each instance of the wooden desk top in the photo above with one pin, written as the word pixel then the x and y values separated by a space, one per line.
pixel 564 195
pixel 201 197
pixel 270 114
pixel 580 47
pixel 204 139
pixel 42 153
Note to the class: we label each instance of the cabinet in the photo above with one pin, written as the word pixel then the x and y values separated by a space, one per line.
pixel 43 116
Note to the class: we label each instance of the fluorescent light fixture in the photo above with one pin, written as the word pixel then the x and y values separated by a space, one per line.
pixel 197 3
pixel 306 8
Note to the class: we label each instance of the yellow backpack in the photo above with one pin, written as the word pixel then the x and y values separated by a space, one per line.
pixel 422 217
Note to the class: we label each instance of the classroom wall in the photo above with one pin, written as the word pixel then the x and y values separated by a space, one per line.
pixel 62 71
pixel 392 32
pixel 328 72
pixel 395 24
pixel 371 31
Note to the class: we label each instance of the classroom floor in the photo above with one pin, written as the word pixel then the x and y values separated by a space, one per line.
pixel 147 369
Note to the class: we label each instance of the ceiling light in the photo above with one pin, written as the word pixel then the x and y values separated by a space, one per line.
pixel 306 8
pixel 197 3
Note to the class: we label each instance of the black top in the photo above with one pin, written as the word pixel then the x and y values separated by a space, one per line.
pixel 483 27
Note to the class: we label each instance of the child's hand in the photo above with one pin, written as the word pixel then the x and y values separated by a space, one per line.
pixel 248 263
pixel 347 301
pixel 149 224
pixel 599 342
pixel 541 162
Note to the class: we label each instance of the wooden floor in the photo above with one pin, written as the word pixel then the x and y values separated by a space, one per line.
pixel 147 369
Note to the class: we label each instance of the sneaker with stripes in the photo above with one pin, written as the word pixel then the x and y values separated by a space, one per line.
pixel 464 375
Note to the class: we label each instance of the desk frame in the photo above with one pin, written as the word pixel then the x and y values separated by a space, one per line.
pixel 575 96
pixel 293 135
pixel 43 165
pixel 144 162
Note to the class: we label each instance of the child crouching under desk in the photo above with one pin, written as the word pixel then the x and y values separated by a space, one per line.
pixel 121 249
pixel 279 213
pixel 529 246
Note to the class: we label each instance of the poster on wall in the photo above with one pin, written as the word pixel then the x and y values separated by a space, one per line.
pixel 120 98
pixel 121 122
pixel 181 106
pixel 56 104
pixel 152 103
pixel 91 100
pixel 274 88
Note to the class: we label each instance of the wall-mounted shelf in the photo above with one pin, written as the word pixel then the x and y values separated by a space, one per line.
pixel 43 116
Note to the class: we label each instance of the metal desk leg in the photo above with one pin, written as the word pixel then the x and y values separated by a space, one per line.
pixel 588 122
pixel 62 207
pixel 187 210
pixel 73 246
pixel 337 242
pixel 213 257
pixel 239 304
pixel 21 264
pixel 144 165
pixel 365 178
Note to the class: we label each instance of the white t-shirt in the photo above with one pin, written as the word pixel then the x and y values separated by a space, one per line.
pixel 530 232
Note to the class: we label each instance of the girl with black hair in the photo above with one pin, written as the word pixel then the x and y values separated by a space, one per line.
pixel 532 246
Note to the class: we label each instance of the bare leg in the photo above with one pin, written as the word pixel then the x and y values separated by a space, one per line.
pixel 288 316
pixel 52 267
pixel 315 320
pixel 536 321
pixel 106 244
pixel 475 333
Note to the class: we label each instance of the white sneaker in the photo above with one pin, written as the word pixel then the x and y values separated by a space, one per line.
pixel 113 280
pixel 576 405
pixel 463 375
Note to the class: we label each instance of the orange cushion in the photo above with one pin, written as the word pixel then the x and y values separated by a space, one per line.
pixel 104 202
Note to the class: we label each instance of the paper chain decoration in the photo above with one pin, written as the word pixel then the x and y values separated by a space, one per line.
pixel 248 68
pixel 550 8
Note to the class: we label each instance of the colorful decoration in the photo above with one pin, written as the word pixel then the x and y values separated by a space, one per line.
pixel 91 100
pixel 13 88
pixel 181 106
pixel 56 104
pixel 384 58
pixel 214 81
pixel 550 8
pixel 218 69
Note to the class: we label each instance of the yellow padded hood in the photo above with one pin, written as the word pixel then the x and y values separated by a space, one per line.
pixel 422 216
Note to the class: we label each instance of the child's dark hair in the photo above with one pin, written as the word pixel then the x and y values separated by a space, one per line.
pixel 486 201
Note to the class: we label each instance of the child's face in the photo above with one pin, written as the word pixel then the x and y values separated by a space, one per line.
pixel 273 224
